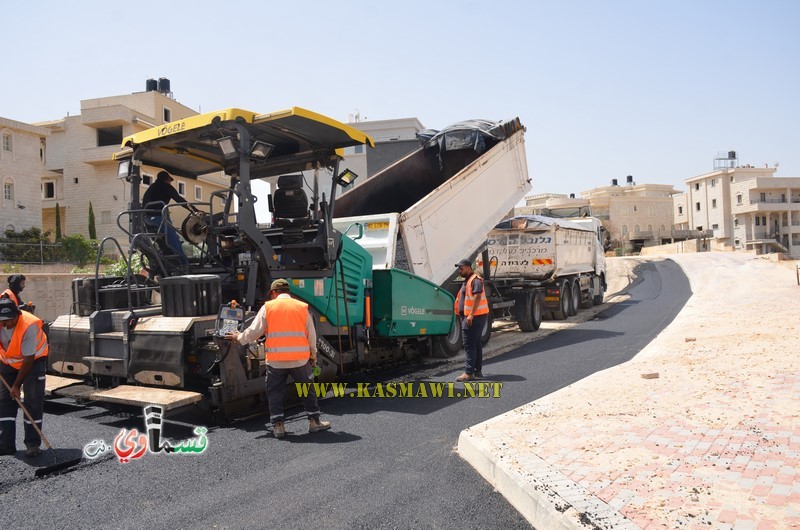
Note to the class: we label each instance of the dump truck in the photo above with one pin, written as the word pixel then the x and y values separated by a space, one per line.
pixel 155 338
pixel 544 265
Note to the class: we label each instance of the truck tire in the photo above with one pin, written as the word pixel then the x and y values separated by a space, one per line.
pixel 564 301
pixel 529 314
pixel 575 297
pixel 446 346
pixel 598 299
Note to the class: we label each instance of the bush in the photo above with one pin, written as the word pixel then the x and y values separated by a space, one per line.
pixel 29 246
pixel 79 250
pixel 120 269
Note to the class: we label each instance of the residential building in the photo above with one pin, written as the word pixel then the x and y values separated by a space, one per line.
pixel 79 155
pixel 635 215
pixel 746 208
pixel 23 151
pixel 534 204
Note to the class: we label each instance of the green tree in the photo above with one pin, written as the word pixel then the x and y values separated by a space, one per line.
pixel 58 223
pixel 92 229
pixel 78 249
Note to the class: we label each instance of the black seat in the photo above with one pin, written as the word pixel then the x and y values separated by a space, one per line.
pixel 290 204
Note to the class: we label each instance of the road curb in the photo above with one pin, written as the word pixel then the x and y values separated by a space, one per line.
pixel 543 495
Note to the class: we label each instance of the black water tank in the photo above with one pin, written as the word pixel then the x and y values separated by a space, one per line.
pixel 163 85
pixel 151 85
pixel 571 195
pixel 630 179
pixel 614 182
pixel 731 155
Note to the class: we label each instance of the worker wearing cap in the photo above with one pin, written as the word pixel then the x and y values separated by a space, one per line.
pixel 472 309
pixel 16 284
pixel 23 363
pixel 291 348
pixel 158 195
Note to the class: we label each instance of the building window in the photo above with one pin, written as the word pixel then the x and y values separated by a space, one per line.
pixel 198 193
pixel 758 221
pixel 762 197
pixel 649 228
pixel 731 178
pixel 715 227
pixel 147 179
pixel 680 210
pixel 764 220
pixel 48 189
pixel 42 150
pixel 636 229
pixel 663 229
pixel 182 189
pixel 624 229
pixel 697 206
pixel 713 203
pixel 738 198
pixel 634 207
pixel 167 114
pixel 109 136
pixel 735 221
pixel 8 190
pixel 7 144
pixel 75 180
pixel 713 183
pixel 105 217
pixel 697 186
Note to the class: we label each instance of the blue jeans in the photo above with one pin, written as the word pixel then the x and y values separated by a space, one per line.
pixel 173 241
pixel 471 336
pixel 33 388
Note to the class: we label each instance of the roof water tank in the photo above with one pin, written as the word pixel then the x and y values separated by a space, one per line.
pixel 731 155
pixel 151 85
pixel 614 182
pixel 630 179
pixel 163 85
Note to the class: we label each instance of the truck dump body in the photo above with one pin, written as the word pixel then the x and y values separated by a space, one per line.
pixel 447 196
pixel 541 248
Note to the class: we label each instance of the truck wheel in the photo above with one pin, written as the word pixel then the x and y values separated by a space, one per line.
pixel 598 299
pixel 564 299
pixel 529 314
pixel 575 300
pixel 446 346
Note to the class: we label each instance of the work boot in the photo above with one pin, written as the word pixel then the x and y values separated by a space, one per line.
pixel 465 377
pixel 278 429
pixel 32 451
pixel 314 425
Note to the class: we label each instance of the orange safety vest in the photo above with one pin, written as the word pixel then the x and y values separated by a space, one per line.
pixel 469 301
pixel 287 337
pixel 13 355
pixel 10 294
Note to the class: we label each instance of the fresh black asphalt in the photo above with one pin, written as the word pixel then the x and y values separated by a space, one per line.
pixel 387 463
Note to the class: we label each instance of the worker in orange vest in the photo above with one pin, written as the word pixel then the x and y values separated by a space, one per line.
pixel 16 284
pixel 23 363
pixel 472 309
pixel 291 348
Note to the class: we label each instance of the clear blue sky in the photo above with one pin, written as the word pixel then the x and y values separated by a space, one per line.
pixel 606 89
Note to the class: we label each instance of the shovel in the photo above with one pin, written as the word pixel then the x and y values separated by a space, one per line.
pixel 57 466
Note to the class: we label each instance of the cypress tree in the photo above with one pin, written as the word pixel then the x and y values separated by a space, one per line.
pixel 92 229
pixel 58 223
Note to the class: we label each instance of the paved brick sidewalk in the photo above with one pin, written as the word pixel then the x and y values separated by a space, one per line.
pixel 713 442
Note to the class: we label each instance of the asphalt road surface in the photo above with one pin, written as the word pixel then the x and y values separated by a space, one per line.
pixel 387 463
